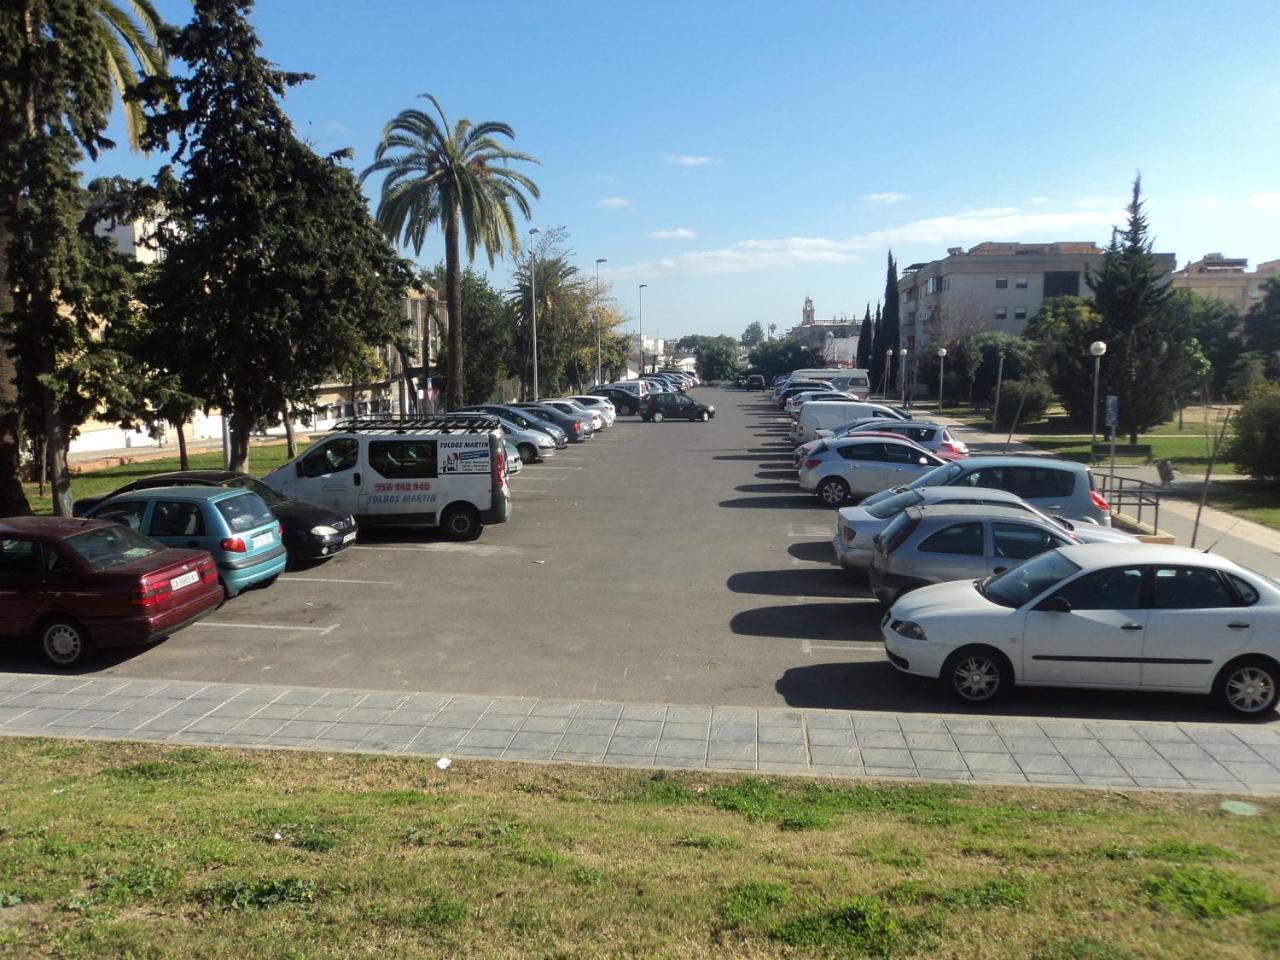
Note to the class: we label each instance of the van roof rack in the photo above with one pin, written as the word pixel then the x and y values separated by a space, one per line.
pixel 441 423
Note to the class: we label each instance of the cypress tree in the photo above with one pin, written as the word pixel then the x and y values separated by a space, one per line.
pixel 865 339
pixel 888 335
pixel 876 360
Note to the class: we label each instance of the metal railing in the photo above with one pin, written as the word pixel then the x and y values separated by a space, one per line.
pixel 1131 496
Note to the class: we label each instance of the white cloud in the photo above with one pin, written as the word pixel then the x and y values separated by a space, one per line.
pixel 333 126
pixel 1265 201
pixel 992 223
pixel 685 160
pixel 885 198
pixel 676 233
pixel 1038 200
pixel 613 202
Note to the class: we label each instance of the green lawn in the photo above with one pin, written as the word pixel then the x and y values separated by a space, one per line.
pixel 1250 499
pixel 141 850
pixel 1189 454
pixel 262 459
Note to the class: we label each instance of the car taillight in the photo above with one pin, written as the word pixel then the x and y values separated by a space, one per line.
pixel 812 463
pixel 234 545
pixel 500 469
pixel 280 532
pixel 1099 502
pixel 576 426
pixel 208 574
pixel 147 594
pixel 848 533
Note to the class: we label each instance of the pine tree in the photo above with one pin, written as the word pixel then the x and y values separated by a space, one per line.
pixel 876 362
pixel 888 335
pixel 866 339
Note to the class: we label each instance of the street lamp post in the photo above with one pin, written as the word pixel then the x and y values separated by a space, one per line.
pixel 888 372
pixel 599 260
pixel 942 365
pixel 533 307
pixel 1096 349
pixel 995 408
pixel 641 327
pixel 902 373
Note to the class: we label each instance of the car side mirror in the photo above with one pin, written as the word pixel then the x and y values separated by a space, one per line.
pixel 1056 604
pixel 924 462
pixel 297 468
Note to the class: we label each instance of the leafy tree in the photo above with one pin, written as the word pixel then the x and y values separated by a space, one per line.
pixel 866 342
pixel 274 278
pixel 1215 326
pixel 1061 333
pixel 782 356
pixel 1262 323
pixel 717 361
pixel 888 335
pixel 1145 364
pixel 1256 447
pixel 61 64
pixel 486 315
pixel 1247 374
pixel 1020 361
pixel 1023 400
pixel 459 177
pixel 753 334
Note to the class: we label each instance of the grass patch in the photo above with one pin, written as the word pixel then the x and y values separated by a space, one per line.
pixel 1203 893
pixel 143 850
pixel 1251 499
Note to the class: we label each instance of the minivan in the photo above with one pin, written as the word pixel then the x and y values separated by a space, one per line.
pixel 405 471
pixel 827 416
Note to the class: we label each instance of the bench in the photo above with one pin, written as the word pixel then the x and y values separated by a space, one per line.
pixel 1124 450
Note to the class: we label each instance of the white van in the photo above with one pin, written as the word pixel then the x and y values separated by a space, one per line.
pixel 841 378
pixel 450 473
pixel 825 416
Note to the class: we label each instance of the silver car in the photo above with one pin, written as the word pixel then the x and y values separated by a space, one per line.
pixel 934 437
pixel 936 544
pixel 601 405
pixel 842 470
pixel 857 526
pixel 571 409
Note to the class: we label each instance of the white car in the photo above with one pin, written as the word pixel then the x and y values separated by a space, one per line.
pixel 793 405
pixel 600 405
pixel 857 526
pixel 852 468
pixel 1104 616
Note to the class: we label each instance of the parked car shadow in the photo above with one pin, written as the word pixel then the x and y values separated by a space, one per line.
pixel 876 685
pixel 797 582
pixel 778 486
pixel 816 551
pixel 796 502
pixel 18 657
pixel 776 474
pixel 850 620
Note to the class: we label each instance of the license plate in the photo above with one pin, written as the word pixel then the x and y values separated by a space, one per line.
pixel 262 539
pixel 349 537
pixel 186 580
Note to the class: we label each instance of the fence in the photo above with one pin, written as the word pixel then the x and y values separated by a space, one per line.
pixel 1131 496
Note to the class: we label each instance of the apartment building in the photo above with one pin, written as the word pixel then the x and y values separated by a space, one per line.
pixel 1227 279
pixel 993 286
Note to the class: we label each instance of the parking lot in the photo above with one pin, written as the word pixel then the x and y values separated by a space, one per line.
pixel 672 563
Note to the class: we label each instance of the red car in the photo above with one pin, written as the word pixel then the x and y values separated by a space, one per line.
pixel 75 585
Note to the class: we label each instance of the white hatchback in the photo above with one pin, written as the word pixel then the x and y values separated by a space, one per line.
pixel 1105 616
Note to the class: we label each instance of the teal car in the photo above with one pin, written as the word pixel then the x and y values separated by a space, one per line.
pixel 515 463
pixel 233 524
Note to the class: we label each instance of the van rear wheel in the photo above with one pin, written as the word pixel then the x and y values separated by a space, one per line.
pixel 461 521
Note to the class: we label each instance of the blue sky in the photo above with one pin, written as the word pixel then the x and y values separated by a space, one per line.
pixel 740 156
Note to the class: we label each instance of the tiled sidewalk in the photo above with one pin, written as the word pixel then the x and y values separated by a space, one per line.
pixel 1230 757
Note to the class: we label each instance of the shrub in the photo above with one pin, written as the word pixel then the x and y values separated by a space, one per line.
pixel 1032 396
pixel 1256 448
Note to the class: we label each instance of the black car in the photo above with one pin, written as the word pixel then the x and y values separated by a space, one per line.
pixel 674 406
pixel 577 429
pixel 625 403
pixel 312 531
pixel 755 381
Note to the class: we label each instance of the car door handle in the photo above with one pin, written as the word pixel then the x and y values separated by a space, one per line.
pixel 999 569
pixel 1238 625
pixel 1131 626
pixel 193 543
pixel 356 479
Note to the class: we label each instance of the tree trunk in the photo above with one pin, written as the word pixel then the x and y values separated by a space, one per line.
pixel 241 427
pixel 183 462
pixel 57 440
pixel 453 301
pixel 13 500
pixel 292 444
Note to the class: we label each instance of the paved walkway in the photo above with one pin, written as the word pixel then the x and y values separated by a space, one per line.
pixel 1220 757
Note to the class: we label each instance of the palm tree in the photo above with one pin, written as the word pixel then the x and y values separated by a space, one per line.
pixel 458 177
pixel 128 34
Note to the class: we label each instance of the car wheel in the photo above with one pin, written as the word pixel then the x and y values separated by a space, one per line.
pixel 528 453
pixel 977 675
pixel 1248 687
pixel 64 642
pixel 461 521
pixel 705 416
pixel 657 417
pixel 833 491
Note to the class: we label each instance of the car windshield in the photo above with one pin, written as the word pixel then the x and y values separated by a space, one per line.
pixel 269 496
pixel 245 512
pixel 940 477
pixel 106 547
pixel 894 505
pixel 1015 587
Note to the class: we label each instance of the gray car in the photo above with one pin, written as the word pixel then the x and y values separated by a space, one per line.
pixel 857 526
pixel 1059 488
pixel 925 545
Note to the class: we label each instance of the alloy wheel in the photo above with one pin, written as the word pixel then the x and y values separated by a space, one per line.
pixel 976 678
pixel 1250 689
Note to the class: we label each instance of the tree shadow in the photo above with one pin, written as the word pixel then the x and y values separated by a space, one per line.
pixel 851 620
pixel 798 582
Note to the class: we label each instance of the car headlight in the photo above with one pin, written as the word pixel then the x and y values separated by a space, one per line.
pixel 712 409
pixel 910 629
pixel 546 442
pixel 323 530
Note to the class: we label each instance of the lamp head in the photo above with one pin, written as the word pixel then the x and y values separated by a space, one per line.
pixel 942 352
pixel 1098 348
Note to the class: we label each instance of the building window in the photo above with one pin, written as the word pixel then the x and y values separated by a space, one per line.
pixel 1020 283
pixel 1019 313
pixel 1002 313
pixel 946 283
pixel 933 285
pixel 1002 283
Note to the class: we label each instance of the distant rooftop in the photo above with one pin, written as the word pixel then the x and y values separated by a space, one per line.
pixel 993 248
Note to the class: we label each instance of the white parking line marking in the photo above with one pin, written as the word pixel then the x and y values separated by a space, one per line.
pixel 471 549
pixel 266 626
pixel 372 583
pixel 539 467
pixel 808 646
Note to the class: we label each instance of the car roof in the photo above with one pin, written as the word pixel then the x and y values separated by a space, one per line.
pixel 942 494
pixel 1012 461
pixel 212 476
pixel 1095 555
pixel 873 435
pixel 183 493
pixel 54 528
pixel 944 511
